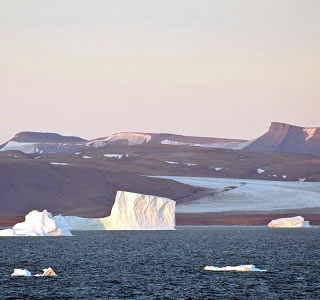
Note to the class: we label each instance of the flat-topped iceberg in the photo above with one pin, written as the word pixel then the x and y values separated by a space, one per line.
pixel 39 224
pixel 131 211
pixel 294 222
pixel 241 268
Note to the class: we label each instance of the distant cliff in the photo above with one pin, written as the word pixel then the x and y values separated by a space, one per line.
pixel 283 137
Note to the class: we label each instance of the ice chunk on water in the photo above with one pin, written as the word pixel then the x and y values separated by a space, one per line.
pixel 21 272
pixel 24 272
pixel 260 171
pixel 47 273
pixel 294 222
pixel 241 268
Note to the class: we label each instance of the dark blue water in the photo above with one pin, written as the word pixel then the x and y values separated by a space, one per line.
pixel 165 265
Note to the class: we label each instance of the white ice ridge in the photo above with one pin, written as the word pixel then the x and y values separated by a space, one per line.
pixel 39 224
pixel 241 268
pixel 294 222
pixel 132 211
pixel 24 272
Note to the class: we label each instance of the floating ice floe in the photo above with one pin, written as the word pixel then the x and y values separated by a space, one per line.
pixel 260 171
pixel 39 224
pixel 86 156
pixel 131 211
pixel 284 176
pixel 189 164
pixel 241 268
pixel 24 272
pixel 113 155
pixel 294 222
pixel 59 164
pixel 21 272
pixel 79 223
pixel 77 153
pixel 218 169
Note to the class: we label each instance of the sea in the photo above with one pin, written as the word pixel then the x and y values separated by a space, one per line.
pixel 165 264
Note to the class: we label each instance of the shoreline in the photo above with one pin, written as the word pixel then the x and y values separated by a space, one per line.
pixel 238 219
pixel 209 219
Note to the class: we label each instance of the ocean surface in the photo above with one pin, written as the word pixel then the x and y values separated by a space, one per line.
pixel 165 264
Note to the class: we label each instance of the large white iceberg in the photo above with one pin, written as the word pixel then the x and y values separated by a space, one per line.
pixel 39 224
pixel 131 211
pixel 241 268
pixel 294 222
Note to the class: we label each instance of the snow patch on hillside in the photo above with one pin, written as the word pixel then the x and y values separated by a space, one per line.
pixel 59 164
pixel 131 138
pixel 27 148
pixel 227 145
pixel 113 155
pixel 310 133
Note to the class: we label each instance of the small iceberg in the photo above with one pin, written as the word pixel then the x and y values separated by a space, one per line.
pixel 21 272
pixel 39 224
pixel 241 268
pixel 24 272
pixel 294 222
pixel 47 273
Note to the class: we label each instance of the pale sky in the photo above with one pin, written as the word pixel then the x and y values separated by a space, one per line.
pixel 208 68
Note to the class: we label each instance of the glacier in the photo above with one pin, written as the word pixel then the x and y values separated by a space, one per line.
pixel 39 224
pixel 293 222
pixel 131 211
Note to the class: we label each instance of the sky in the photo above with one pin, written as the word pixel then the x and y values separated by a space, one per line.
pixel 196 67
